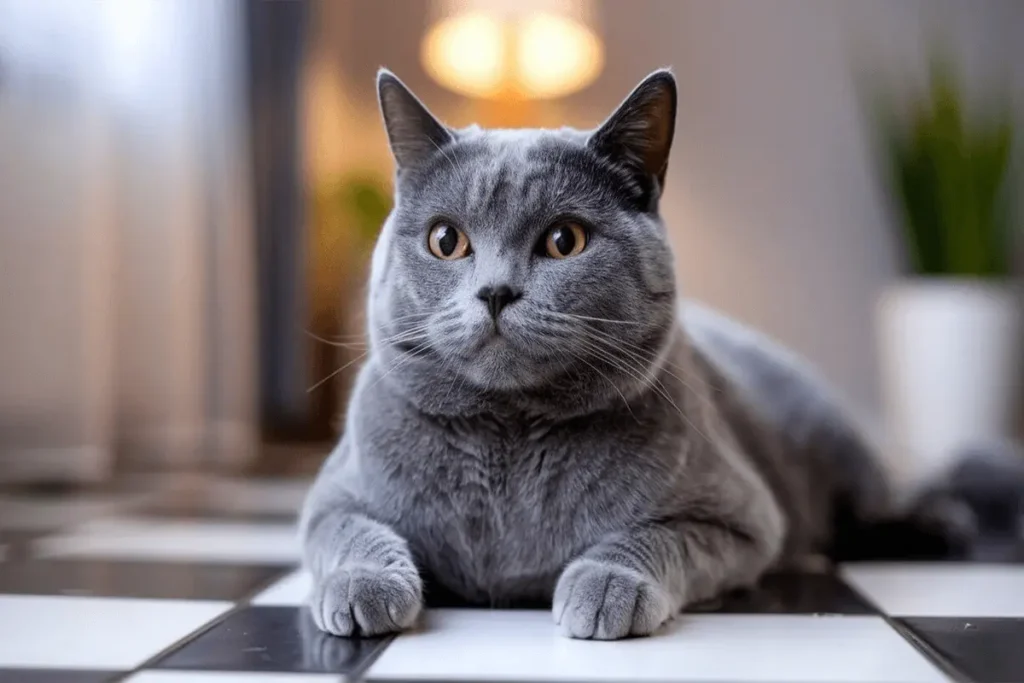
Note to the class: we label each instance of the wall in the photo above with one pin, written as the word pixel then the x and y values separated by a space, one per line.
pixel 777 211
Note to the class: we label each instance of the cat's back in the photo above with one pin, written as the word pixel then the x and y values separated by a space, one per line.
pixel 823 452
pixel 781 387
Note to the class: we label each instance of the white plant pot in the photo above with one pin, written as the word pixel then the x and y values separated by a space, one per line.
pixel 949 357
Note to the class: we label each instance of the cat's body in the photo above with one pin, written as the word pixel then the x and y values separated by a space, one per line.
pixel 499 502
pixel 540 419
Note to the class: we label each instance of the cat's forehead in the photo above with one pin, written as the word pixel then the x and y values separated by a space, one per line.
pixel 504 152
pixel 496 170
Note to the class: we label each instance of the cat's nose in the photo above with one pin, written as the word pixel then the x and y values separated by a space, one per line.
pixel 497 298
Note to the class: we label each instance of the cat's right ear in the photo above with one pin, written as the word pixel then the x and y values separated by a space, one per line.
pixel 413 132
pixel 639 133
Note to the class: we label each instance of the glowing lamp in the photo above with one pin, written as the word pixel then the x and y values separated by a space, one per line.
pixel 529 49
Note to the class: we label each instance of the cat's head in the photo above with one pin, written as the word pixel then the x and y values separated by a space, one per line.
pixel 518 261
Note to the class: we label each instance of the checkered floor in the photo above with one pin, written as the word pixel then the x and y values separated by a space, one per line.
pixel 159 588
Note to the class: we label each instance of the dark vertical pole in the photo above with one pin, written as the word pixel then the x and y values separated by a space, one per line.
pixel 277 31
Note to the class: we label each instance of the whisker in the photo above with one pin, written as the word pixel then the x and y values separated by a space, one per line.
pixel 451 160
pixel 645 379
pixel 613 385
pixel 648 356
pixel 339 344
pixel 404 359
pixel 338 371
pixel 575 316
pixel 362 335
pixel 654 384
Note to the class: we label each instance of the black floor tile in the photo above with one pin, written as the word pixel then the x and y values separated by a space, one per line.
pixel 56 676
pixel 982 650
pixel 273 639
pixel 136 579
pixel 792 594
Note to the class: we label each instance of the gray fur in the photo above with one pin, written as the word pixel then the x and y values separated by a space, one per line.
pixel 613 451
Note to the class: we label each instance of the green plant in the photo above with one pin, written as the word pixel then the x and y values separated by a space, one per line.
pixel 348 213
pixel 950 178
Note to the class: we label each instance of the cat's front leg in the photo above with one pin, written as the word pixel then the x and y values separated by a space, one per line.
pixel 364 579
pixel 634 581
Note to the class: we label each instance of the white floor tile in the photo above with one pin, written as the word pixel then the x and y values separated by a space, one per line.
pixel 292 589
pixel 459 645
pixel 941 590
pixel 176 541
pixel 94 633
pixel 230 677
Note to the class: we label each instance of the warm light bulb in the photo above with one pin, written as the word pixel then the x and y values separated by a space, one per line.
pixel 466 53
pixel 534 55
pixel 555 56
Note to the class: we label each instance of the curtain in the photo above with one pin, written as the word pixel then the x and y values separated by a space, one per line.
pixel 127 275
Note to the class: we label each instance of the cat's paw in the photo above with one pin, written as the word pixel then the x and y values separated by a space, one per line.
pixel 605 601
pixel 366 600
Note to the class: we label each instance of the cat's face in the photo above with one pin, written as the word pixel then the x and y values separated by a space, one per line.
pixel 514 259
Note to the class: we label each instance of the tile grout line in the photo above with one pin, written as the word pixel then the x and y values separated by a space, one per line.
pixel 922 646
pixel 908 636
pixel 358 675
pixel 238 605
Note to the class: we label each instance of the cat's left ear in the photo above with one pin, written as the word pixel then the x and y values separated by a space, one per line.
pixel 639 133
pixel 413 132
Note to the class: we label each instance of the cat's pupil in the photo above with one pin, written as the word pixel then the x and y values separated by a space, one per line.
pixel 564 240
pixel 447 240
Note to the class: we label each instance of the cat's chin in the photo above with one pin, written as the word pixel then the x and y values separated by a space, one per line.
pixel 504 378
pixel 500 367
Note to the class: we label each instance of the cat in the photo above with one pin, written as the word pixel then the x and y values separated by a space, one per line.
pixel 543 419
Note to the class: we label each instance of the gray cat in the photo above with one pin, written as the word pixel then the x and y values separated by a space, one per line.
pixel 542 419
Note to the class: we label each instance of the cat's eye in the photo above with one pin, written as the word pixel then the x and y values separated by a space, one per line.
pixel 447 242
pixel 564 240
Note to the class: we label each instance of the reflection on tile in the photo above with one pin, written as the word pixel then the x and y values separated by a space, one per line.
pixel 984 650
pixel 273 639
pixel 470 645
pixel 176 541
pixel 777 594
pixel 56 676
pixel 94 633
pixel 135 579
pixel 792 594
pixel 940 589
pixel 231 677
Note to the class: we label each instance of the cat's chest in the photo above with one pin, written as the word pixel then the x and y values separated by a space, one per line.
pixel 499 510
pixel 486 476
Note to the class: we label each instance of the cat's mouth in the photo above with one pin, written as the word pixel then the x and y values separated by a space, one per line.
pixel 493 339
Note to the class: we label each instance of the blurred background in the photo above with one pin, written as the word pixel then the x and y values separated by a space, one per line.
pixel 190 189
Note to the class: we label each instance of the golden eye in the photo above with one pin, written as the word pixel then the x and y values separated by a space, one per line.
pixel 565 240
pixel 448 243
